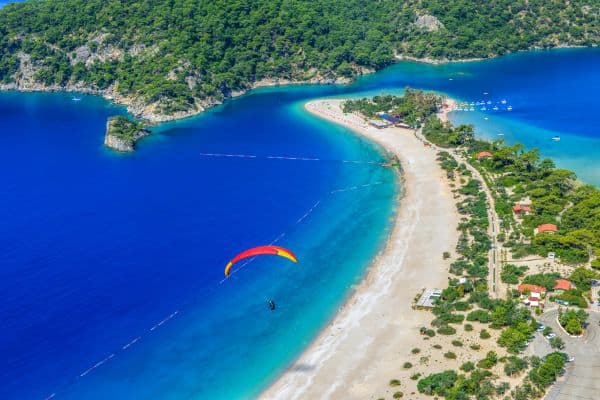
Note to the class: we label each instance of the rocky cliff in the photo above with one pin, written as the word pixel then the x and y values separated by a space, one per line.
pixel 122 134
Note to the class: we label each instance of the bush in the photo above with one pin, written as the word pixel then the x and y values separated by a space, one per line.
pixel 573 321
pixel 457 343
pixel 437 384
pixel 398 395
pixel 430 332
pixel 484 334
pixel 461 306
pixel 514 365
pixel 547 372
pixel 557 343
pixel 407 365
pixel 416 376
pixel 394 382
pixel 468 327
pixel 416 350
pixel 468 366
pixel 450 355
pixel 437 346
pixel 489 361
pixel 479 315
pixel 475 346
pixel 511 273
pixel 446 330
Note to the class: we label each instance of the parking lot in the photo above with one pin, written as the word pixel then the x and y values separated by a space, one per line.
pixel 581 380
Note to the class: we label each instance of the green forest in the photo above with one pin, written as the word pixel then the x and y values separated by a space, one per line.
pixel 175 53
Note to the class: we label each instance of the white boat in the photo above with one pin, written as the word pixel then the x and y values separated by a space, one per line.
pixel 483 108
pixel 503 101
pixel 501 134
pixel 489 102
pixel 556 138
pixel 509 108
pixel 471 109
pixel 486 118
pixel 495 108
pixel 76 99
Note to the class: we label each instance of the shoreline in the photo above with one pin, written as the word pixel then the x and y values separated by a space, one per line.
pixel 146 112
pixel 377 315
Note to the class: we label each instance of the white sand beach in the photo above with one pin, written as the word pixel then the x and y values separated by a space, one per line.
pixel 368 340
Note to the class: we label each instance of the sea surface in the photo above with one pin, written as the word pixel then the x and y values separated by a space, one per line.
pixel 111 265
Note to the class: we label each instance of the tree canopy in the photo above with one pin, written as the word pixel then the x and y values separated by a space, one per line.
pixel 176 53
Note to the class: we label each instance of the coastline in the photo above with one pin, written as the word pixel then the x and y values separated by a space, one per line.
pixel 377 317
pixel 147 112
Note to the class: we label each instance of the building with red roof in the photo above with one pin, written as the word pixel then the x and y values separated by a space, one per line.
pixel 562 285
pixel 526 287
pixel 519 209
pixel 546 228
pixel 484 154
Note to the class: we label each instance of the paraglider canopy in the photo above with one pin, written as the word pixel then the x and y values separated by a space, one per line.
pixel 258 251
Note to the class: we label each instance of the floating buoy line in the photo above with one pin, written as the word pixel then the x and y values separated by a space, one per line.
pixel 137 338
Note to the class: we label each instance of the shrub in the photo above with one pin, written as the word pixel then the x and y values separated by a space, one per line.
pixel 461 306
pixel 437 346
pixel 511 273
pixel 468 366
pixel 514 365
pixel 457 343
pixel 430 332
pixel 557 343
pixel 398 395
pixel 479 315
pixel 446 330
pixel 407 365
pixel 573 321
pixel 437 384
pixel 484 334
pixel 416 376
pixel 489 361
pixel 548 370
pixel 416 350
pixel 450 355
pixel 394 382
pixel 475 346
pixel 468 327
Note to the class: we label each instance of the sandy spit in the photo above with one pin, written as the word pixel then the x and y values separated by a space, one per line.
pixel 366 343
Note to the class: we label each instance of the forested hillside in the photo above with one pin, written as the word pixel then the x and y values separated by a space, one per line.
pixel 177 55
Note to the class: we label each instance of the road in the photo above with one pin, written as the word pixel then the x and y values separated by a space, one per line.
pixel 581 381
pixel 494 263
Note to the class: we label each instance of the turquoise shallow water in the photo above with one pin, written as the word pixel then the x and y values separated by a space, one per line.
pixel 98 249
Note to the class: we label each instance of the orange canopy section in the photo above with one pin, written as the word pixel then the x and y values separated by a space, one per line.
pixel 259 251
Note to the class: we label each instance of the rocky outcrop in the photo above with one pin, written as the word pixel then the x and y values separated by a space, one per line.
pixel 123 141
pixel 429 23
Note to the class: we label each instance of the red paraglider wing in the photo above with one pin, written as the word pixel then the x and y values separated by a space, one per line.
pixel 259 251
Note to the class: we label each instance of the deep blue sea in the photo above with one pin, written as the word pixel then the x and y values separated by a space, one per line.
pixel 110 265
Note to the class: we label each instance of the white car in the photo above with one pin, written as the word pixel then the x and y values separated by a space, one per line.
pixel 570 359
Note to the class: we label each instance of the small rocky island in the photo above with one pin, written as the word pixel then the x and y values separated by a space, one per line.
pixel 122 133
